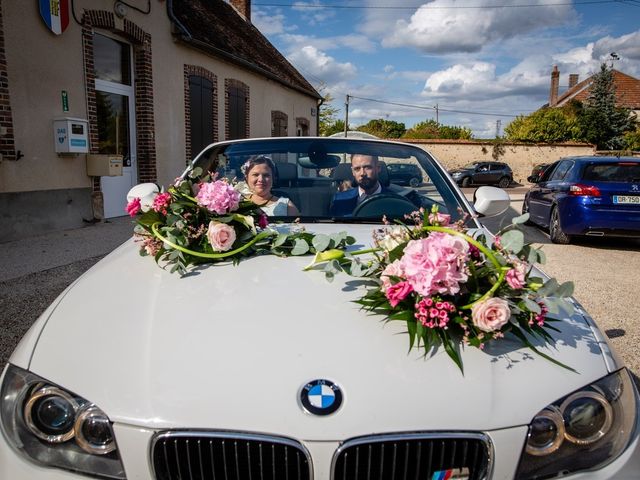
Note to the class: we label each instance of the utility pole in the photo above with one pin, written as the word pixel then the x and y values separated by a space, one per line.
pixel 498 123
pixel 437 115
pixel 346 116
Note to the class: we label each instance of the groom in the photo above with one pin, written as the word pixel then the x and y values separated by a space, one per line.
pixel 365 169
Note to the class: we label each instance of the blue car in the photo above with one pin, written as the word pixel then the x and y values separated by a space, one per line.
pixel 594 196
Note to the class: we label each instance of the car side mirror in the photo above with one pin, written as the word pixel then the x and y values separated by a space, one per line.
pixel 490 201
pixel 533 179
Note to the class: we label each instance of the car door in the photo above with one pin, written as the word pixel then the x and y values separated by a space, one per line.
pixel 482 174
pixel 496 171
pixel 542 195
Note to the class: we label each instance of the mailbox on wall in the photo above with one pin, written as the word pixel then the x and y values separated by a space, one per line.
pixel 71 135
pixel 104 165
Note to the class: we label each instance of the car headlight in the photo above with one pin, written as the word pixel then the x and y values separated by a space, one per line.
pixel 456 174
pixel 55 427
pixel 584 430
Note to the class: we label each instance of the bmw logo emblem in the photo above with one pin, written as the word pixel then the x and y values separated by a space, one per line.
pixel 321 397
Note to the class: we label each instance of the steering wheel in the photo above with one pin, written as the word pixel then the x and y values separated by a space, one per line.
pixel 389 204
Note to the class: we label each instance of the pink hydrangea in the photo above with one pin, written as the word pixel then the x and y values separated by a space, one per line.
pixel 218 197
pixel 436 264
pixel 161 202
pixel 398 292
pixel 133 207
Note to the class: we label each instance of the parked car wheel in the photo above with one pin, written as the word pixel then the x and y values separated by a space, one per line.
pixel 555 229
pixel 525 209
pixel 504 182
pixel 414 182
pixel 466 182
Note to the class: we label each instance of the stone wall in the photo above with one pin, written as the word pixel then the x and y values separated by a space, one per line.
pixel 520 157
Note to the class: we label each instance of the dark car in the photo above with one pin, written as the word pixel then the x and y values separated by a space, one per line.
pixel 483 173
pixel 595 196
pixel 404 174
pixel 537 172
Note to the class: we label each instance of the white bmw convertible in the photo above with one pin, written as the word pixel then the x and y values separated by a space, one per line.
pixel 436 352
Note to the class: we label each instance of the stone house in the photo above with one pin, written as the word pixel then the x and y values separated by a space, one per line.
pixel 97 96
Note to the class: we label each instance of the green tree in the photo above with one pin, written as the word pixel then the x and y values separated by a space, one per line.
pixel 546 125
pixel 327 114
pixel 601 122
pixel 433 129
pixel 632 139
pixel 383 128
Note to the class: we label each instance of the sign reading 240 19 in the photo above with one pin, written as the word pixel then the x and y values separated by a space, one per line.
pixel 55 14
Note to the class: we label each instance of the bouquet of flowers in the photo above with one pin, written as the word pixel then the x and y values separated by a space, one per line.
pixel 203 219
pixel 454 286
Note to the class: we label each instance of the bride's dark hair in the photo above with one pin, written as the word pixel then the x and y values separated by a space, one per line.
pixel 258 160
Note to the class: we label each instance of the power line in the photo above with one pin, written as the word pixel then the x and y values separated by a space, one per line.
pixel 434 108
pixel 428 7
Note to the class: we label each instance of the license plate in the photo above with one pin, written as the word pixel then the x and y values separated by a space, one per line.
pixel 633 199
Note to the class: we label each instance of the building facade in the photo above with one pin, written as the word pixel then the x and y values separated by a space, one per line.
pixel 97 96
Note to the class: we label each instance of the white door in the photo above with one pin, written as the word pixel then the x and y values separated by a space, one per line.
pixel 115 105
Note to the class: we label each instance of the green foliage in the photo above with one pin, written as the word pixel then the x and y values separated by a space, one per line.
pixel 601 122
pixel 383 128
pixel 432 129
pixel 547 125
pixel 597 121
pixel 632 139
pixel 328 122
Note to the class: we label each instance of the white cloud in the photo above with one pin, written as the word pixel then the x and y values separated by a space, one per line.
pixel 356 42
pixel 314 12
pixel 268 24
pixel 441 26
pixel 318 64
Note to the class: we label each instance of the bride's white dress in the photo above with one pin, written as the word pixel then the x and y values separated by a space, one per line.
pixel 277 208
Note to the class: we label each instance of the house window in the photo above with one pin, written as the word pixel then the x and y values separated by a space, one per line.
pixel 302 127
pixel 279 124
pixel 112 60
pixel 237 109
pixel 201 100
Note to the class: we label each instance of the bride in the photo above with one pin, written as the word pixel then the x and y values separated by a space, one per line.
pixel 258 172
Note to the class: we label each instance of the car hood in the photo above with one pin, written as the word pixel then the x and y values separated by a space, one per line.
pixel 230 347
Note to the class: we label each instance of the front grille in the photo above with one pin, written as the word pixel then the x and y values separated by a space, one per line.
pixel 228 456
pixel 401 457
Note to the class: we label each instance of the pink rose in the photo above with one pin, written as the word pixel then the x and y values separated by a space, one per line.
pixel 392 270
pixel 398 292
pixel 133 207
pixel 436 264
pixel 491 314
pixel 515 277
pixel 221 236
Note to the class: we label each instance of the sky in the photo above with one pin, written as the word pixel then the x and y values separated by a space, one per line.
pixel 469 63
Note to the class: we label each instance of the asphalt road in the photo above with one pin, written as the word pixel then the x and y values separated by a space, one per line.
pixel 605 273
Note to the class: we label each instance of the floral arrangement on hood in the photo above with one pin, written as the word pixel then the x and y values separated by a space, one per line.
pixel 203 219
pixel 453 286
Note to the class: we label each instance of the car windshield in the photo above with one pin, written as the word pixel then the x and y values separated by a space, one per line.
pixel 612 172
pixel 470 166
pixel 316 176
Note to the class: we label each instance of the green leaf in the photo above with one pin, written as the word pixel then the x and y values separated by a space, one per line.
pixel 542 258
pixel 450 347
pixel 300 247
pixel 521 219
pixel 549 288
pixel 196 172
pixel 412 328
pixel 531 305
pixel 565 290
pixel 513 240
pixel 321 242
pixel 280 239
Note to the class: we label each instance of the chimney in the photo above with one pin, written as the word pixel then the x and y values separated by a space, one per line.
pixel 573 80
pixel 243 7
pixel 555 82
